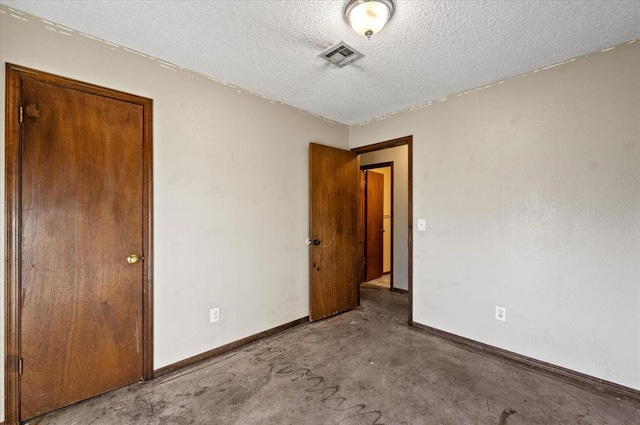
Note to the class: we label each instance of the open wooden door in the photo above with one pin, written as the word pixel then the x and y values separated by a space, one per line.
pixel 374 225
pixel 333 215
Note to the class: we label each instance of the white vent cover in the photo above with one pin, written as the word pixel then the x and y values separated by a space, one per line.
pixel 341 54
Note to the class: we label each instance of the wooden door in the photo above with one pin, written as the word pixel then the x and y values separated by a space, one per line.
pixel 374 225
pixel 82 218
pixel 334 251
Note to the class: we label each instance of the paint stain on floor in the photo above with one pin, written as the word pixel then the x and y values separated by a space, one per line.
pixel 364 367
pixel 505 415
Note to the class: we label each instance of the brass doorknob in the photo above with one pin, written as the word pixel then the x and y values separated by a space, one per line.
pixel 133 258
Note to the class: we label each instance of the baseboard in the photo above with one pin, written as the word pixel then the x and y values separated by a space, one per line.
pixel 227 347
pixel 400 291
pixel 578 379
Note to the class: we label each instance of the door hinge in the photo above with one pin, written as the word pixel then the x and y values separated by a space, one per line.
pixel 20 366
pixel 21 115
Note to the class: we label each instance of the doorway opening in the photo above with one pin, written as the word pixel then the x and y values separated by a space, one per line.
pixel 392 223
pixel 377 194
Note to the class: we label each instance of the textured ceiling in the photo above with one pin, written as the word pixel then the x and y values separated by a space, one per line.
pixel 428 50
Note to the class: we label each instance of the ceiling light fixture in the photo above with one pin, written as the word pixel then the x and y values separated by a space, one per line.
pixel 367 17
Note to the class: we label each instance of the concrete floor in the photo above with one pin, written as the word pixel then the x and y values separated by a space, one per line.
pixel 362 367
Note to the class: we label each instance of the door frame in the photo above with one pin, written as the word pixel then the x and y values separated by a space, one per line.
pixel 401 141
pixel 363 193
pixel 13 188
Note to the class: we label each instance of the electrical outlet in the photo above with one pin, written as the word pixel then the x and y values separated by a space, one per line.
pixel 214 314
pixel 501 313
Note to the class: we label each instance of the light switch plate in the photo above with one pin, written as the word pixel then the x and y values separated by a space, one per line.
pixel 214 314
pixel 422 225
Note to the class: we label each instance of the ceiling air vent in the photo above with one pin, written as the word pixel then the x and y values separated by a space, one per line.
pixel 341 54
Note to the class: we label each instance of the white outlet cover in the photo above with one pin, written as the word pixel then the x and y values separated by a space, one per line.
pixel 214 315
pixel 501 313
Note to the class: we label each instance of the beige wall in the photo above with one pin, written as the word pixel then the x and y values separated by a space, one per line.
pixel 231 189
pixel 531 194
pixel 400 158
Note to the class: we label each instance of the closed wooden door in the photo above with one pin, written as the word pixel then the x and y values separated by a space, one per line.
pixel 334 249
pixel 374 225
pixel 81 312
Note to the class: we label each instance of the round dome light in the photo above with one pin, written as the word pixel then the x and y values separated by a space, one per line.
pixel 367 17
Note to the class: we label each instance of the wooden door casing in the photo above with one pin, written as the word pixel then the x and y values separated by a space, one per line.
pixel 401 141
pixel 334 219
pixel 79 202
pixel 374 225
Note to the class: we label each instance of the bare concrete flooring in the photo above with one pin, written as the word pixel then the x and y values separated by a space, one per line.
pixel 362 367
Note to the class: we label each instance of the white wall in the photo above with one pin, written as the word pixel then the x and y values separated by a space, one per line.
pixel 531 192
pixel 400 158
pixel 230 195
